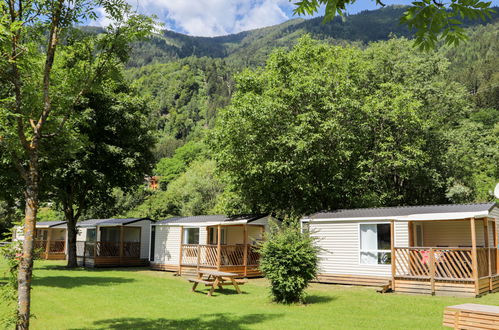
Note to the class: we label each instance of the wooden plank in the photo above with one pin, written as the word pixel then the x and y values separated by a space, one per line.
pixel 219 246
pixel 494 230
pixel 474 261
pixel 392 247
pixel 181 246
pixel 411 233
pixel 122 238
pixel 432 270
pixel 246 247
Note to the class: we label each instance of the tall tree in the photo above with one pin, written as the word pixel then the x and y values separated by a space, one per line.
pixel 433 20
pixel 115 139
pixel 45 80
pixel 324 127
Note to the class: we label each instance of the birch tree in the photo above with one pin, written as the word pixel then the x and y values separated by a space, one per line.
pixel 46 65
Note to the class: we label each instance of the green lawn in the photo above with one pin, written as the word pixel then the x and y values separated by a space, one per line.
pixel 137 298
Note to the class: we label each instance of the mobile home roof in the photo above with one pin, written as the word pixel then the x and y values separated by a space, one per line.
pixel 406 213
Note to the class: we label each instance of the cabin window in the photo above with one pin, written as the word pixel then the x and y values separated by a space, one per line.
pixel 375 244
pixel 213 236
pixel 91 235
pixel 109 234
pixel 191 235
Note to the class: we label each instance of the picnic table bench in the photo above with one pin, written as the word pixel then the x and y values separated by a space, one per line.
pixel 472 316
pixel 216 279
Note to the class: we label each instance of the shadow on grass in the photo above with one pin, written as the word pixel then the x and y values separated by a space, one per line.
pixel 204 322
pixel 318 299
pixel 69 282
pixel 217 292
pixel 90 269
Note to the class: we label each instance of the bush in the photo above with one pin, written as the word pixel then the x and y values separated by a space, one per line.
pixel 289 260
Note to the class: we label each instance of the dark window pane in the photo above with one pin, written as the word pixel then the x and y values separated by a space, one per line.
pixel 192 235
pixel 384 236
pixel 384 258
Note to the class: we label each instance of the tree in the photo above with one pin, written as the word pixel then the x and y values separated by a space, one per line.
pixel 116 153
pixel 170 168
pixel 432 19
pixel 194 192
pixel 47 66
pixel 326 127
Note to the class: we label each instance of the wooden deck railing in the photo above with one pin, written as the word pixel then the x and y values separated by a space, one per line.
pixel 207 255
pixel 107 249
pixel 57 246
pixel 443 263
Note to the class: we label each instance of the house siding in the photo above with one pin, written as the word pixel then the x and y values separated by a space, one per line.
pixel 340 250
pixel 167 245
pixel 81 234
pixel 452 233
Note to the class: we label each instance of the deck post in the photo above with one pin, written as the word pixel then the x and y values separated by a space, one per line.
pixel 410 227
pixel 199 256
pixel 432 271
pixel 494 230
pixel 47 243
pixel 474 260
pixel 84 252
pixel 487 246
pixel 219 246
pixel 245 252
pixel 180 250
pixel 392 248
pixel 122 236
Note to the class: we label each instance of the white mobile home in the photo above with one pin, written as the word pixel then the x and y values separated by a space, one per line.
pixel 186 244
pixel 435 249
pixel 50 239
pixel 113 242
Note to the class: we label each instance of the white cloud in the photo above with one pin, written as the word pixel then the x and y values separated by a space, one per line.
pixel 214 17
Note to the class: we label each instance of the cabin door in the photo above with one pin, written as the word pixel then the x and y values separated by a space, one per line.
pixel 418 234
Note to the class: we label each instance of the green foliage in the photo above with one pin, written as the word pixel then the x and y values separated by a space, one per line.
pixel 11 253
pixel 432 20
pixel 169 169
pixel 473 160
pixel 115 139
pixel 186 93
pixel 289 260
pixel 194 192
pixel 325 127
pixel 47 213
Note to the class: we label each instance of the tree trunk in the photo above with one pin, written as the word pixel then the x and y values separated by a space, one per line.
pixel 72 262
pixel 26 264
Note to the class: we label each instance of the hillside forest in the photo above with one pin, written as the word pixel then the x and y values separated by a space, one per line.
pixel 291 119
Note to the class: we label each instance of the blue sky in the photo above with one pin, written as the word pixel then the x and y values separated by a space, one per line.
pixel 221 17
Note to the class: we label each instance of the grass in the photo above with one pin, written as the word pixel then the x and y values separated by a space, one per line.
pixel 137 298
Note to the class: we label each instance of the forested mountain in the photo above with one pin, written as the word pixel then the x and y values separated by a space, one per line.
pixel 252 47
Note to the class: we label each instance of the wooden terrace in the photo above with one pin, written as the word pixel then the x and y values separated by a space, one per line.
pixel 51 243
pixel 240 258
pixel 449 270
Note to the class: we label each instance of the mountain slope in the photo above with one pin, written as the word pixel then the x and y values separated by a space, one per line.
pixel 252 47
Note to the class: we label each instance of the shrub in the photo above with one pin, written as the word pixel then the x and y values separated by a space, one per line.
pixel 289 260
pixel 12 254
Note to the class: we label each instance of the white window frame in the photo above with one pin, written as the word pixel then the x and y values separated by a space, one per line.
pixel 376 251
pixel 184 232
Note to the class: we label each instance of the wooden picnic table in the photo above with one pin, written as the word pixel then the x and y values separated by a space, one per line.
pixel 216 279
